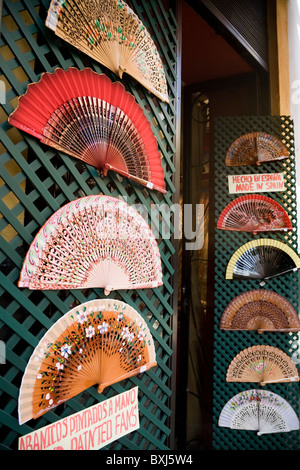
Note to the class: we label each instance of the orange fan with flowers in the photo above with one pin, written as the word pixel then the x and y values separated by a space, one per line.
pixel 100 342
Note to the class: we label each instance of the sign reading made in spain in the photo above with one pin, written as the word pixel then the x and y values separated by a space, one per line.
pixel 257 183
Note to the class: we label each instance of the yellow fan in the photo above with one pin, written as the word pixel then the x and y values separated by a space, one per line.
pixel 262 259
pixel 111 33
pixel 261 310
pixel 100 342
pixel 262 364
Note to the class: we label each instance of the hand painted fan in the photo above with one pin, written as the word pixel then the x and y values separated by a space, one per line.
pixel 255 148
pixel 258 410
pixel 262 259
pixel 260 310
pixel 254 213
pixel 94 241
pixel 100 342
pixel 87 116
pixel 263 364
pixel 111 33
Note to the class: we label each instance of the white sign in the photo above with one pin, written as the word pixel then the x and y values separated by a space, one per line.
pixel 258 183
pixel 90 429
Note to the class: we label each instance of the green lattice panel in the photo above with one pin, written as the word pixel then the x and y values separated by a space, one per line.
pixel 228 344
pixel 36 181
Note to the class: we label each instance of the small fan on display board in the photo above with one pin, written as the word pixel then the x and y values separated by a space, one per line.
pixel 260 310
pixel 254 213
pixel 262 258
pixel 95 120
pixel 100 342
pixel 255 148
pixel 93 241
pixel 262 364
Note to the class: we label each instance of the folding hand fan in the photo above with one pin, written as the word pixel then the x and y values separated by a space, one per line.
pixel 255 148
pixel 94 241
pixel 254 213
pixel 258 410
pixel 112 34
pixel 260 310
pixel 263 364
pixel 100 342
pixel 89 117
pixel 262 259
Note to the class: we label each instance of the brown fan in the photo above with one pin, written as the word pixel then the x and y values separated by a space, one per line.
pixel 255 148
pixel 260 310
pixel 262 364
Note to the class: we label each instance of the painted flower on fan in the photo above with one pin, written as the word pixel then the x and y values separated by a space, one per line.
pixel 90 331
pixel 125 332
pixel 141 336
pixel 81 317
pixel 66 350
pixel 59 366
pixel 103 328
pixel 120 317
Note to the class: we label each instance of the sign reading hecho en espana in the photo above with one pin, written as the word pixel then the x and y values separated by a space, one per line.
pixel 90 429
pixel 257 183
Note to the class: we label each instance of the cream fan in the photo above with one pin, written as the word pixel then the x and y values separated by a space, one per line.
pixel 100 342
pixel 111 33
pixel 259 410
pixel 93 241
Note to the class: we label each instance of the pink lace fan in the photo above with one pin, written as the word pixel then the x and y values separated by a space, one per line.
pixel 94 241
pixel 87 116
pixel 254 213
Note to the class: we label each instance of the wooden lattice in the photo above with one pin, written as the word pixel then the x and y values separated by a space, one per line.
pixel 37 180
pixel 229 343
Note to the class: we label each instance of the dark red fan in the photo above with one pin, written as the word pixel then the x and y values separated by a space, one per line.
pixel 255 148
pixel 87 116
pixel 254 213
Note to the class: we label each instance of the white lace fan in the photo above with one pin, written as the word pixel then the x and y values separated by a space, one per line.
pixel 94 241
pixel 111 33
pixel 258 410
pixel 100 342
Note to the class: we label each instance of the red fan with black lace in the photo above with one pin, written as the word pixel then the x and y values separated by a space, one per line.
pixel 87 116
pixel 254 213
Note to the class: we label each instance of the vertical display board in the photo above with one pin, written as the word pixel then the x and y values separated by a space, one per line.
pixel 227 344
pixel 36 180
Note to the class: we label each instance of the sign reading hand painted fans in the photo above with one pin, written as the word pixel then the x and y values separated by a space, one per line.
pixel 257 183
pixel 90 429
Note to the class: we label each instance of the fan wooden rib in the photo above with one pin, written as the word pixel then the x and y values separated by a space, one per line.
pixel 254 213
pixel 100 342
pixel 255 148
pixel 262 259
pixel 260 310
pixel 94 241
pixel 262 364
pixel 88 117
pixel 259 410
pixel 111 33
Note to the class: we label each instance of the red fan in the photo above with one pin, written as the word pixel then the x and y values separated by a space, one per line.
pixel 89 117
pixel 254 213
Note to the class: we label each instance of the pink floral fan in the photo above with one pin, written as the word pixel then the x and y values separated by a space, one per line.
pixel 94 241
